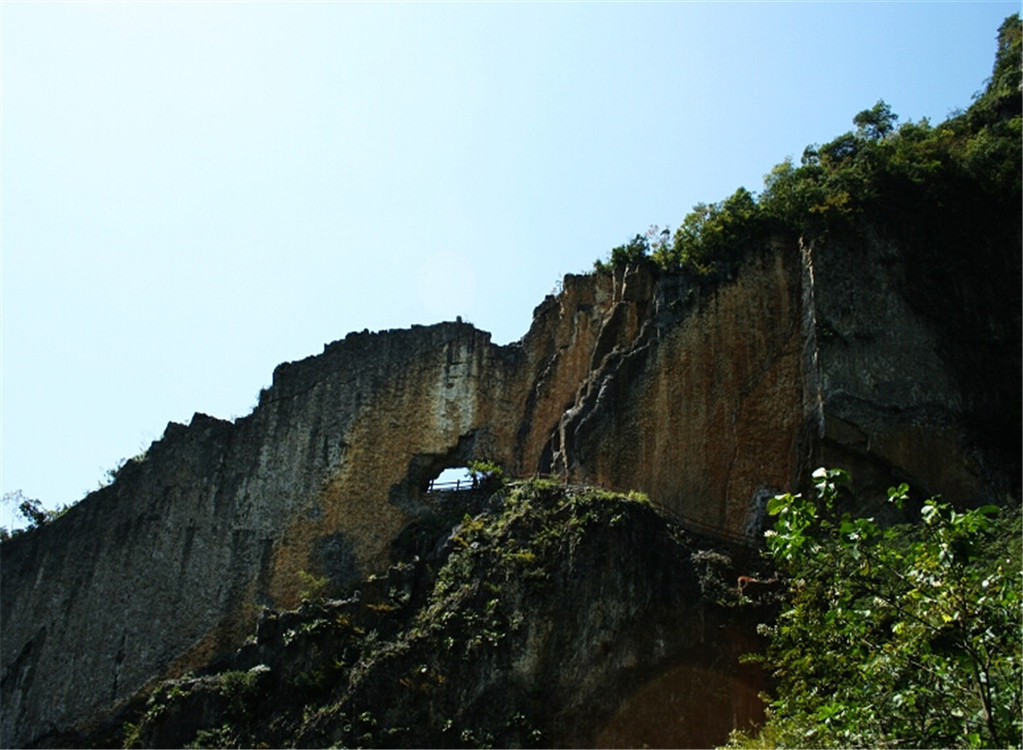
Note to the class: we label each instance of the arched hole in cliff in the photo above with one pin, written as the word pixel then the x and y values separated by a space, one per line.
pixel 424 469
pixel 452 479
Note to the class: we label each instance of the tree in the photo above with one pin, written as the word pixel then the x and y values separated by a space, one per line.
pixel 908 635
pixel 30 510
pixel 877 122
pixel 1001 98
pixel 631 253
pixel 713 238
pixel 486 475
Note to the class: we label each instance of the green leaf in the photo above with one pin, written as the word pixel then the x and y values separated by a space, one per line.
pixel 777 504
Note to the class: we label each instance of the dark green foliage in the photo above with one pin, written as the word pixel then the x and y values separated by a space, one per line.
pixel 1001 97
pixel 486 475
pixel 637 250
pixel 211 711
pixel 30 509
pixel 313 587
pixel 31 512
pixel 631 253
pixel 906 636
pixel 713 239
pixel 875 123
pixel 963 172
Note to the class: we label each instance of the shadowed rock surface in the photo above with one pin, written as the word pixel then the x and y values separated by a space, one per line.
pixel 550 616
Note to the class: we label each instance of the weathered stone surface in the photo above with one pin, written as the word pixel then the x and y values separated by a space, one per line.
pixel 917 363
pixel 552 616
pixel 707 398
pixel 706 403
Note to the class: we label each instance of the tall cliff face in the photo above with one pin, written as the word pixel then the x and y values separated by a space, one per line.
pixel 917 359
pixel 704 405
pixel 707 398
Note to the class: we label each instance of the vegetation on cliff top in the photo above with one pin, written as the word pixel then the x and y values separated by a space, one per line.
pixel 906 636
pixel 959 173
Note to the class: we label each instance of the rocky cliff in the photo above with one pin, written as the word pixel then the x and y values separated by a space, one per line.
pixel 707 396
pixel 550 616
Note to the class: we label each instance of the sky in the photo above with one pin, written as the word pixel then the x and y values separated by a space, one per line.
pixel 194 192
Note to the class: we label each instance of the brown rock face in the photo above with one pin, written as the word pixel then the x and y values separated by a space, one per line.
pixel 709 399
pixel 705 405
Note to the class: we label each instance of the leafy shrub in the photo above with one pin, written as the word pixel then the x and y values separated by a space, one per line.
pixel 908 635
pixel 314 588
pixel 31 512
pixel 486 474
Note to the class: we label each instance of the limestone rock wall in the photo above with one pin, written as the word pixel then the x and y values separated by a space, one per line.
pixel 706 406
pixel 708 398
pixel 916 362
pixel 167 567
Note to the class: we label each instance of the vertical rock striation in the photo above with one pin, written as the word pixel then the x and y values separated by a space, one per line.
pixel 702 401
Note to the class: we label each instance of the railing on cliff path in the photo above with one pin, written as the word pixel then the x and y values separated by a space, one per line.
pixel 706 530
pixel 459 485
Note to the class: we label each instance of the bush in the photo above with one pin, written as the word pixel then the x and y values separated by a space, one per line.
pixel 907 636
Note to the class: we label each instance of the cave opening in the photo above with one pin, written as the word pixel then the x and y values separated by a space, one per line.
pixel 452 479
pixel 430 473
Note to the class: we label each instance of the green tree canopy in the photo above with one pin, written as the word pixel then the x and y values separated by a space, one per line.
pixel 964 171
pixel 875 123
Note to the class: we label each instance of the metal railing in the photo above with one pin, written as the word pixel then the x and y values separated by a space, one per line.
pixel 459 485
pixel 704 529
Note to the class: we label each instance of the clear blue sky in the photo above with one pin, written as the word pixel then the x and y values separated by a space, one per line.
pixel 195 192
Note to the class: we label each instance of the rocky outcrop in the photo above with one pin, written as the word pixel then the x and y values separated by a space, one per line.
pixel 708 397
pixel 550 617
pixel 917 361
